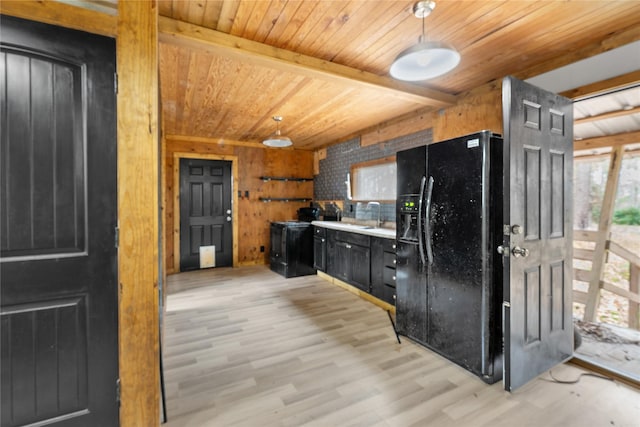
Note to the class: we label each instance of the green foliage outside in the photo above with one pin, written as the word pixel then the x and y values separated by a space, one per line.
pixel 628 216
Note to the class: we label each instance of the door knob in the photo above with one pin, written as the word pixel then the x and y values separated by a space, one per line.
pixel 503 250
pixel 520 252
pixel 228 211
pixel 228 218
pixel 516 229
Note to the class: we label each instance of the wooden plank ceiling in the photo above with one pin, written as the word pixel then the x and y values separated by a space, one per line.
pixel 227 67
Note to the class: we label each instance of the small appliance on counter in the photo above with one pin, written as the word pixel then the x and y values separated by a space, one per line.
pixel 292 244
pixel 308 214
pixel 331 212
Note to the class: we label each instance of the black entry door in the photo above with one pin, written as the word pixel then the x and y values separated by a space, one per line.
pixel 58 296
pixel 538 333
pixel 205 211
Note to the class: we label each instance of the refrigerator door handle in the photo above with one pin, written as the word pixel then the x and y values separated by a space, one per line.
pixel 427 221
pixel 423 184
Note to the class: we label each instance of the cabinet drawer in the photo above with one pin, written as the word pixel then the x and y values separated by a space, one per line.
pixel 389 245
pixel 390 259
pixel 320 231
pixel 355 238
pixel 389 276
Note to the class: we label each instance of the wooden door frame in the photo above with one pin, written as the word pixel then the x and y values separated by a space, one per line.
pixel 177 156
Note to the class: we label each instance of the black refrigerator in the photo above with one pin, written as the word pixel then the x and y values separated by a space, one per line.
pixel 449 275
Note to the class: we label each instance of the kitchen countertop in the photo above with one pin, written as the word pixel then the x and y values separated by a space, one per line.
pixel 385 233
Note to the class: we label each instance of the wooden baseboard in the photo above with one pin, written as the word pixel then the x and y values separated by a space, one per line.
pixel 250 263
pixel 362 294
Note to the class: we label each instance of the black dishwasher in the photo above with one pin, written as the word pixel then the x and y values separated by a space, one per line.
pixel 292 248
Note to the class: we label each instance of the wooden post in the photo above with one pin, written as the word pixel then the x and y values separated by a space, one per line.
pixel 137 61
pixel 604 229
pixel 634 286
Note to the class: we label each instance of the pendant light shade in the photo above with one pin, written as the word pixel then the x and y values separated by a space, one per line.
pixel 427 59
pixel 277 140
pixel 423 61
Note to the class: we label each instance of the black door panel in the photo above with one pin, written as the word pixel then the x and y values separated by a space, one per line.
pixel 59 353
pixel 538 128
pixel 205 211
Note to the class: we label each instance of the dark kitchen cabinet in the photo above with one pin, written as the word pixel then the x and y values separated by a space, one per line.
pixel 363 261
pixel 383 269
pixel 349 258
pixel 320 248
pixel 360 266
pixel 341 261
pixel 291 248
pixel 331 253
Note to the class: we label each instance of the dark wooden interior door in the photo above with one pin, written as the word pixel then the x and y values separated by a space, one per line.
pixel 538 127
pixel 205 211
pixel 58 296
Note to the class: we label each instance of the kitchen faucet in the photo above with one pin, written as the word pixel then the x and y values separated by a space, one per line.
pixel 378 222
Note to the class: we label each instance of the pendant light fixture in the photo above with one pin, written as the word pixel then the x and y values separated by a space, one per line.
pixel 276 139
pixel 427 59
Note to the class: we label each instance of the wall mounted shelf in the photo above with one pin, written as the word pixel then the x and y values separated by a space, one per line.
pixel 283 199
pixel 284 178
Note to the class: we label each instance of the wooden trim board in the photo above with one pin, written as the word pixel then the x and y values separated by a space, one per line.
pixel 362 294
pixel 176 201
pixel 138 206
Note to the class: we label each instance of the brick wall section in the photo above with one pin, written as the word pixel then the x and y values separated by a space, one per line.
pixel 329 183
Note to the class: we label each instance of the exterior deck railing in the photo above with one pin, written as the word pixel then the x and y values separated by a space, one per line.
pixel 584 242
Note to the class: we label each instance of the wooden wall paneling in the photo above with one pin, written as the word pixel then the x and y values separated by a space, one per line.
pixel 168 220
pixel 412 123
pixel 475 111
pixel 253 215
pixel 138 204
pixel 318 155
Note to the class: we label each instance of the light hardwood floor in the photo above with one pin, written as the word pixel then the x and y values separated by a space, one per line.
pixel 246 347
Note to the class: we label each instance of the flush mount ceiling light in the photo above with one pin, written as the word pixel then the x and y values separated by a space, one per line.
pixel 277 140
pixel 427 59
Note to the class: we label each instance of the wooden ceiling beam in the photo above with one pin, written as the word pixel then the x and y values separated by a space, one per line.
pixel 633 152
pixel 603 86
pixel 215 141
pixel 215 42
pixel 64 15
pixel 607 115
pixel 607 141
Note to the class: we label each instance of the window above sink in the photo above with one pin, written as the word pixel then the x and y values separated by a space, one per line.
pixel 374 180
